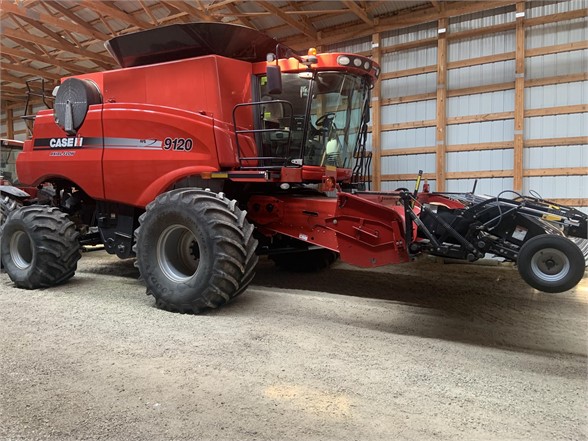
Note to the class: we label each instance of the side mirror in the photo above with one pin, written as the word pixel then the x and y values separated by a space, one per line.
pixel 274 80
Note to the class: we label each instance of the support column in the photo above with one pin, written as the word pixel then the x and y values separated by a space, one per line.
pixel 9 123
pixel 376 118
pixel 440 137
pixel 519 105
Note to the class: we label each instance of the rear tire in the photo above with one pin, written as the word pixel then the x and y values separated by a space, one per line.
pixel 195 250
pixel 40 247
pixel 551 263
pixel 305 261
pixel 7 206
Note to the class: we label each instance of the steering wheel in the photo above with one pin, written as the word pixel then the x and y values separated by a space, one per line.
pixel 327 116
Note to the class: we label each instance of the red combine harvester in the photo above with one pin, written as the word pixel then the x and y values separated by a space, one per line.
pixel 203 152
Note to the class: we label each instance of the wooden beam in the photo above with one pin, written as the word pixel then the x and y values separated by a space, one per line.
pixel 185 7
pixel 436 5
pixel 79 21
pixel 466 119
pixel 481 60
pixel 98 59
pixel 440 136
pixel 17 80
pixel 557 80
pixel 557 18
pixel 401 20
pixel 29 70
pixel 41 17
pixel 409 151
pixel 408 72
pixel 13 90
pixel 567 47
pixel 408 125
pixel 409 99
pixel 501 145
pixel 268 6
pixel 481 89
pixel 113 12
pixel 51 61
pixel 548 142
pixel 55 35
pixel 486 30
pixel 410 45
pixel 563 171
pixel 149 13
pixel 407 177
pixel 486 174
pixel 357 10
pixel 376 117
pixel 557 110
pixel 571 202
pixel 243 20
pixel 481 174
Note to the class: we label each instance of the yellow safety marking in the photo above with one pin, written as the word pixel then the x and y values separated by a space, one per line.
pixel 219 175
pixel 551 217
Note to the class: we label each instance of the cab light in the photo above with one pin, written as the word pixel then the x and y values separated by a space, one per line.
pixel 367 65
pixel 357 62
pixel 312 51
pixel 343 60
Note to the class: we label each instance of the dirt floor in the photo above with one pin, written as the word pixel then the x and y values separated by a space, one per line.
pixel 421 351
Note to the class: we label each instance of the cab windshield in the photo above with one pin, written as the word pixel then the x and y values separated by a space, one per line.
pixel 322 117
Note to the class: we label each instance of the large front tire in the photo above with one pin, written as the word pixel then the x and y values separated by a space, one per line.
pixel 40 247
pixel 195 250
pixel 551 263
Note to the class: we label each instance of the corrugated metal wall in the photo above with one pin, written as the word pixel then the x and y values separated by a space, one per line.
pixel 498 101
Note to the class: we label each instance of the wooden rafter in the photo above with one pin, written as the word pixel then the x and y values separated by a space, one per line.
pixel 118 14
pixel 357 10
pixel 12 79
pixel 310 32
pixel 98 59
pixel 149 13
pixel 243 20
pixel 15 67
pixel 185 7
pixel 400 20
pixel 80 22
pixel 40 17
pixel 71 67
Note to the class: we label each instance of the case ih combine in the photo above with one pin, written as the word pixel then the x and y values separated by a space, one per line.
pixel 200 154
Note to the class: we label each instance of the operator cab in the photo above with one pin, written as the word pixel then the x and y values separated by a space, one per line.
pixel 311 118
pixel 317 118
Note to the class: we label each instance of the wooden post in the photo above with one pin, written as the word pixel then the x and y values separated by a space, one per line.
pixel 519 105
pixel 441 120
pixel 376 118
pixel 9 123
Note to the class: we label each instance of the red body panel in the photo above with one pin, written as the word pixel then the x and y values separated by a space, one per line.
pixel 365 233
pixel 39 163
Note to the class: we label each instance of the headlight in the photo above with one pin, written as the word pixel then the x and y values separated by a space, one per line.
pixel 343 60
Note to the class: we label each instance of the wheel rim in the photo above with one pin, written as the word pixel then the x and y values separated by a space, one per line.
pixel 550 265
pixel 21 250
pixel 178 254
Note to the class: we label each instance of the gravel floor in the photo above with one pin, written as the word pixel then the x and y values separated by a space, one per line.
pixel 420 351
